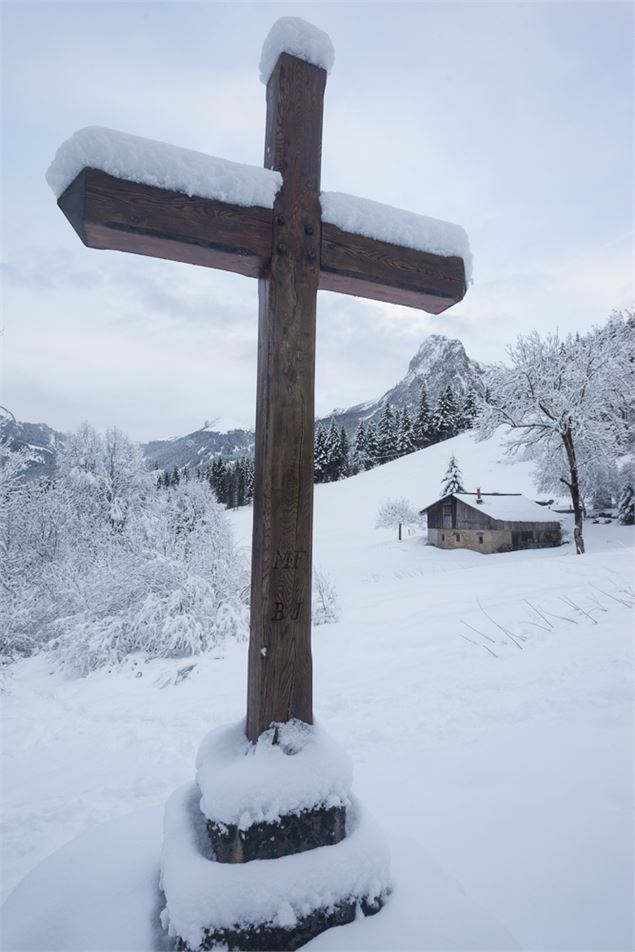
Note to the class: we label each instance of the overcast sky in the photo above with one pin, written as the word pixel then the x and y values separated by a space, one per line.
pixel 512 119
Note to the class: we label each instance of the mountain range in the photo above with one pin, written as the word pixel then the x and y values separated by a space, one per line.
pixel 38 439
pixel 439 362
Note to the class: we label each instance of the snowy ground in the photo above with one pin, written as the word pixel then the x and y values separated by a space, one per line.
pixel 486 702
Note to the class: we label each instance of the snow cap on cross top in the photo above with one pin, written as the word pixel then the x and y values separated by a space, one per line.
pixel 298 38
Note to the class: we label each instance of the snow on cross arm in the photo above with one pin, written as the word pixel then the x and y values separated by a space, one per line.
pixel 299 38
pixel 397 226
pixel 148 162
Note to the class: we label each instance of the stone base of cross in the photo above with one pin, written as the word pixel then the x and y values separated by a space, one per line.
pixel 269 847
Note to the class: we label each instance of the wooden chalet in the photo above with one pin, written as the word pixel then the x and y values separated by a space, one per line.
pixel 491 522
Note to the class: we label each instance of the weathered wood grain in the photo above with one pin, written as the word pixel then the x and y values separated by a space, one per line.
pixel 292 254
pixel 112 213
pixel 366 267
pixel 280 665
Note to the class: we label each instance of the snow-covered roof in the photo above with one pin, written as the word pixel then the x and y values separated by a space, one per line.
pixel 299 38
pixel 166 166
pixel 506 508
pixel 407 229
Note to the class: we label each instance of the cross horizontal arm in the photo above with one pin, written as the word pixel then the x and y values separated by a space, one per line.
pixel 382 271
pixel 112 213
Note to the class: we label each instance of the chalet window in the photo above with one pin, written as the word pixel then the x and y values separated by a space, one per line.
pixel 480 540
pixel 443 537
pixel 457 536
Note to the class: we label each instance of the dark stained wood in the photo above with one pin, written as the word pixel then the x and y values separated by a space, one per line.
pixel 288 834
pixel 111 213
pixel 265 936
pixel 292 254
pixel 365 267
pixel 280 664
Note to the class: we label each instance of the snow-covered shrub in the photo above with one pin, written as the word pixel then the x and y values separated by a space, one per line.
pixel 105 565
pixel 324 608
pixel 18 545
pixel 174 585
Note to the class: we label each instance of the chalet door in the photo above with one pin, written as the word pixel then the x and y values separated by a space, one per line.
pixel 447 515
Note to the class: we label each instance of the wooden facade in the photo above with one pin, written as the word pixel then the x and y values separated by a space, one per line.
pixel 454 524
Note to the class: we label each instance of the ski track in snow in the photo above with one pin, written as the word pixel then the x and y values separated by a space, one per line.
pixel 514 772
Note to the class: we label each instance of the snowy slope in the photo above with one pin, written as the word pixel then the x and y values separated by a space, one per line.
pixel 486 702
pixel 348 545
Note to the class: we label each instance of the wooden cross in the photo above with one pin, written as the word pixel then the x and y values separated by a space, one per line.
pixel 293 254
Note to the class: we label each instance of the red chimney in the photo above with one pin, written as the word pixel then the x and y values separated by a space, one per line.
pixel 478 497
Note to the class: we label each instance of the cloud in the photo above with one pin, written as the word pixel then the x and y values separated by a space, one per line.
pixel 40 268
pixel 515 120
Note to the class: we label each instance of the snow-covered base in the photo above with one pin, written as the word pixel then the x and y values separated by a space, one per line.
pixel 101 891
pixel 243 783
pixel 203 895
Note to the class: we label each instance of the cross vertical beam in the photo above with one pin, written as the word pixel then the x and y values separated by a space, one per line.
pixel 280 665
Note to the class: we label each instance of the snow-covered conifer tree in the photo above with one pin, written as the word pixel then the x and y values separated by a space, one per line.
pixel 387 435
pixel 249 479
pixel 626 504
pixel 467 411
pixel 320 463
pixel 218 480
pixel 359 455
pixel 372 444
pixel 344 455
pixel 332 466
pixel 422 423
pixel 453 479
pixel 405 440
pixel 445 417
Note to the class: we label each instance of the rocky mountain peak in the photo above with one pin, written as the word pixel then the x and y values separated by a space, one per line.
pixel 435 349
pixel 438 363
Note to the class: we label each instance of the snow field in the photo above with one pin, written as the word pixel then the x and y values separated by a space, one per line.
pixel 501 778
